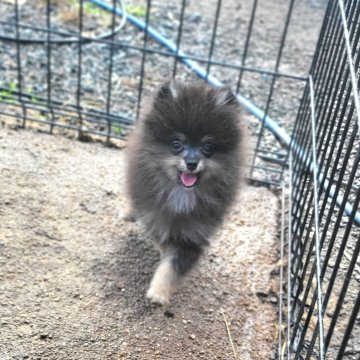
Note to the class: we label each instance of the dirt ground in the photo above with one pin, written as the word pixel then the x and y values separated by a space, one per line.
pixel 73 274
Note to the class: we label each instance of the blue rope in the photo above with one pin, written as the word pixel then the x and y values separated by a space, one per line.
pixel 281 134
pixel 277 130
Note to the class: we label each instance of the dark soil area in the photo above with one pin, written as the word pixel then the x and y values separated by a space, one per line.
pixel 61 62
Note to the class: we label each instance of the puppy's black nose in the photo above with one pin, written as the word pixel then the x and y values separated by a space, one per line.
pixel 191 165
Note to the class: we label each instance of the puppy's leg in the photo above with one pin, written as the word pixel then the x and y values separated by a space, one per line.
pixel 175 263
pixel 163 282
pixel 129 214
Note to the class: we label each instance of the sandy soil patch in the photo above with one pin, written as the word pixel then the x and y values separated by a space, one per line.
pixel 73 274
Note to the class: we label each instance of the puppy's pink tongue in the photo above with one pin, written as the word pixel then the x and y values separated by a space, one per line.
pixel 188 179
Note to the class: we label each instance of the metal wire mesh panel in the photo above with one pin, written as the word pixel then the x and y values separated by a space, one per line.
pixel 79 67
pixel 324 218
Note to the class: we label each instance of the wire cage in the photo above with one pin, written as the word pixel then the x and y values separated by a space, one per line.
pixel 324 173
pixel 85 68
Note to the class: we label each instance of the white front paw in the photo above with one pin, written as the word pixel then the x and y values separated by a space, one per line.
pixel 157 297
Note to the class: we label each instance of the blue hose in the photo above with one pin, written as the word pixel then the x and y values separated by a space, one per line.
pixel 277 130
pixel 201 72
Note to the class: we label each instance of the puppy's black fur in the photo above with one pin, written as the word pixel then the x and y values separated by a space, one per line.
pixel 181 206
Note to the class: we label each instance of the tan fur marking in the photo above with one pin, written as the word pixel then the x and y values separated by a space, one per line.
pixel 163 283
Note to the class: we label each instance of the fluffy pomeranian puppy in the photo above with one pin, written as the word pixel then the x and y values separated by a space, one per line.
pixel 183 172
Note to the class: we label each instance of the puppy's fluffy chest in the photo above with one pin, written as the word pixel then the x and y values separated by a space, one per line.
pixel 181 201
pixel 184 213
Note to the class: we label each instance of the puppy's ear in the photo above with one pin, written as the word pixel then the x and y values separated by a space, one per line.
pixel 224 96
pixel 168 91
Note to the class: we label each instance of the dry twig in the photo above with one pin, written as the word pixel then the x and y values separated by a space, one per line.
pixel 228 332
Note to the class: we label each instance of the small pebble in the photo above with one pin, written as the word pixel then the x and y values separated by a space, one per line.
pixel 169 314
pixel 120 285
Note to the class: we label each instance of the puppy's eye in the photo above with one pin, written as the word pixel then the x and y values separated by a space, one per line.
pixel 176 146
pixel 207 149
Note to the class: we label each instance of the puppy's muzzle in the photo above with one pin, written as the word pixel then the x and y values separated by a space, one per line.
pixel 192 164
pixel 192 159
